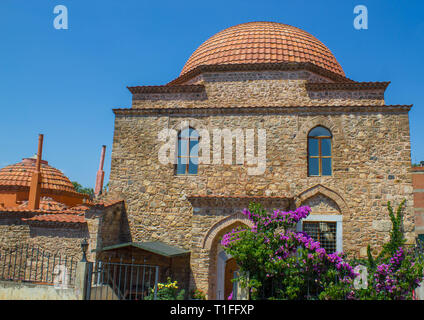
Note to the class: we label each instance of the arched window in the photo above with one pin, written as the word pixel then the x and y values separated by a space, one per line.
pixel 188 150
pixel 319 152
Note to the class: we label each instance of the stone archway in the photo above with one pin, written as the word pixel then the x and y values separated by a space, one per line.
pixel 328 208
pixel 320 189
pixel 224 224
pixel 217 258
pixel 336 129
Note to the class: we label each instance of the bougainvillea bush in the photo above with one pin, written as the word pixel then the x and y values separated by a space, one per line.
pixel 276 262
pixel 398 268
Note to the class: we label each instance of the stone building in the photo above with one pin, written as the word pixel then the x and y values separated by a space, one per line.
pixel 331 143
pixel 418 184
pixel 59 218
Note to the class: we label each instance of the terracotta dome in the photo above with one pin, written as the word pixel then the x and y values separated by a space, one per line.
pixel 263 42
pixel 19 176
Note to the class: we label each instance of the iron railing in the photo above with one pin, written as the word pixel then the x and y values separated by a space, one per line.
pixel 27 263
pixel 122 281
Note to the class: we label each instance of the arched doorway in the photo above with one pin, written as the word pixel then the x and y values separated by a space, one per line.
pixel 217 257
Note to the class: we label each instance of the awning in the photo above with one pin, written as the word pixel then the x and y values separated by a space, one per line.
pixel 157 247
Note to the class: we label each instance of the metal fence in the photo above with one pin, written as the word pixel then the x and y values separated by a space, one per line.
pixel 32 264
pixel 122 281
pixel 419 247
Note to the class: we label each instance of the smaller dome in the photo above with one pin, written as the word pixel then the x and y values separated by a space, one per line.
pixel 19 176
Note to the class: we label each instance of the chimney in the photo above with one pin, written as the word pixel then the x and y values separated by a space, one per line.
pixel 100 174
pixel 35 188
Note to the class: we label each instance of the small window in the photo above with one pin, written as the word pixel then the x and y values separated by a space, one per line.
pixel 323 232
pixel 188 151
pixel 319 152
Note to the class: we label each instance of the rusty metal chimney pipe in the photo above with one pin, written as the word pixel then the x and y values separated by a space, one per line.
pixel 35 188
pixel 100 173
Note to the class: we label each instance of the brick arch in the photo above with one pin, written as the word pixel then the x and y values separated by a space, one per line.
pixel 320 189
pixel 307 126
pixel 221 225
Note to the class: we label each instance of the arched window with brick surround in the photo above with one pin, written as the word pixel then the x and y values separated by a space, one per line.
pixel 319 152
pixel 188 152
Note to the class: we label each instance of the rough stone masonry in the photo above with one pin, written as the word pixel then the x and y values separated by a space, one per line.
pixel 370 157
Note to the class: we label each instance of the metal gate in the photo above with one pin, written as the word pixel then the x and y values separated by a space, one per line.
pixel 121 281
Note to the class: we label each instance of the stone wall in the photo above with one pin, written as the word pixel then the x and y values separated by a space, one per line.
pixel 25 291
pixel 102 228
pixel 271 88
pixel 59 238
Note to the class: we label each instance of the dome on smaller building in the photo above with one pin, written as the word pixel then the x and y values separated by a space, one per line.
pixel 15 182
pixel 19 176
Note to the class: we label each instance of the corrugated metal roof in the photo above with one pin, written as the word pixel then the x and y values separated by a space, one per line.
pixel 157 247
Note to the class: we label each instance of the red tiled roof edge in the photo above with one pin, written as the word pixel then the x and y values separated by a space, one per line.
pixel 283 66
pixel 69 211
pixel 44 190
pixel 268 109
pixel 56 218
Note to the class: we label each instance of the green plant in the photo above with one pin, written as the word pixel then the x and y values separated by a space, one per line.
pixel 278 263
pixel 397 270
pixel 166 291
pixel 198 294
pixel 397 238
pixel 79 188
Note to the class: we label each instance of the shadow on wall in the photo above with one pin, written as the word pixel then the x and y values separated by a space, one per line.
pixel 124 230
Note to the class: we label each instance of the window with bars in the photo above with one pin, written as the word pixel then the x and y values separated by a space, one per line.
pixel 188 151
pixel 324 232
pixel 319 152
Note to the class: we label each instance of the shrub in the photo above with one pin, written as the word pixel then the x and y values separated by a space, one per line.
pixel 166 291
pixel 278 263
pixel 397 270
pixel 198 294
pixel 284 264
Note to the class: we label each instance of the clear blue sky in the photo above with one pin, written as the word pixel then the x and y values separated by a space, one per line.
pixel 64 83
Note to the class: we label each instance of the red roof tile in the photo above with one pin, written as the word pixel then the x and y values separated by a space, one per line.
pixel 20 174
pixel 53 211
pixel 46 204
pixel 58 217
pixel 262 42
